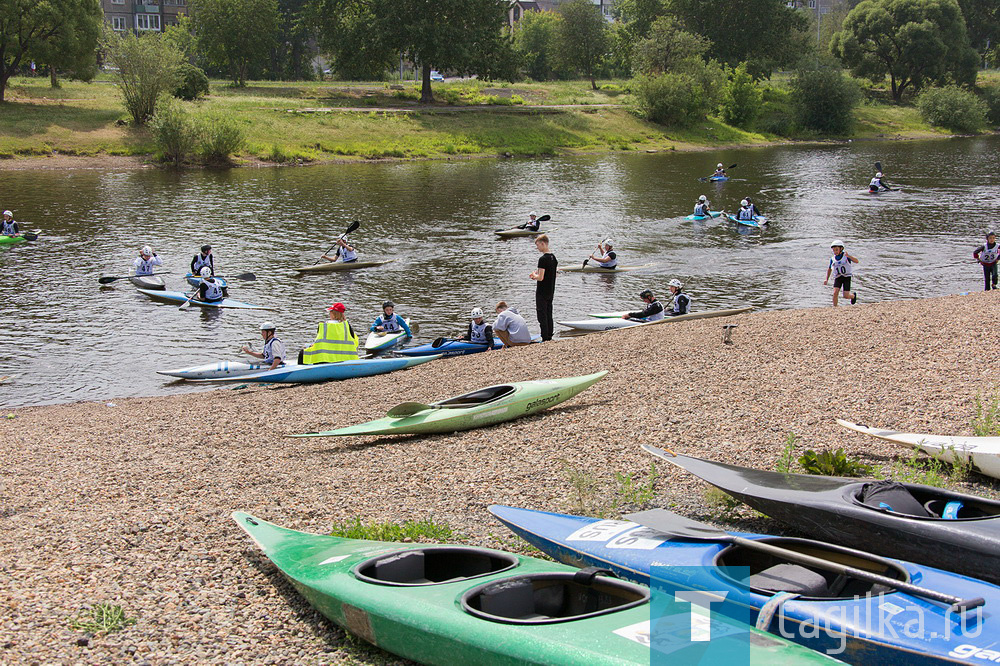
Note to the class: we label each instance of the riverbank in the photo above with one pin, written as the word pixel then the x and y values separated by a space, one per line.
pixel 129 503
pixel 322 122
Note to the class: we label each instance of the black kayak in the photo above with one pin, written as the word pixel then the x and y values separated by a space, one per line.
pixel 952 531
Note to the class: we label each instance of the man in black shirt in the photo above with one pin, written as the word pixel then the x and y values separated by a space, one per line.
pixel 545 289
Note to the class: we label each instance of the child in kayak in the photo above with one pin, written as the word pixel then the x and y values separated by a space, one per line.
pixel 720 172
pixel 702 208
pixel 389 322
pixel 877 184
pixel 273 354
pixel 840 263
pixel 210 290
pixel 345 252
pixel 605 256
pixel 479 331
pixel 682 302
pixel 746 211
pixel 987 255
pixel 754 208
pixel 652 312
pixel 146 260
pixel 204 258
pixel 532 224
pixel 8 227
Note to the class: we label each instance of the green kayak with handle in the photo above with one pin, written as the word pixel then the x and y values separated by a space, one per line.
pixel 441 604
pixel 484 407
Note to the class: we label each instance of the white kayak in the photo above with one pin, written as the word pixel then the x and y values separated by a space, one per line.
pixel 608 324
pixel 984 452
pixel 216 370
pixel 600 324
pixel 381 341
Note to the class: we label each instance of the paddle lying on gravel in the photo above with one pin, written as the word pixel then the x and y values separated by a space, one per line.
pixel 731 166
pixel 111 278
pixel 543 218
pixel 671 524
pixel 352 227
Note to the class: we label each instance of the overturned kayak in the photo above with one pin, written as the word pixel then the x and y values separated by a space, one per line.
pixel 325 372
pixel 154 282
pixel 179 298
pixel 195 280
pixel 698 218
pixel 605 321
pixel 382 341
pixel 341 266
pixel 449 348
pixel 757 222
pixel 449 604
pixel 484 407
pixel 516 233
pixel 983 452
pixel 217 369
pixel 818 594
pixel 933 526
pixel 597 269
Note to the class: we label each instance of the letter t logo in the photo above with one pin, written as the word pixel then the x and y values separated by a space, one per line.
pixel 701 602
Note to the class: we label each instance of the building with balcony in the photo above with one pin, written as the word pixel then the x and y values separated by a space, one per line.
pixel 142 15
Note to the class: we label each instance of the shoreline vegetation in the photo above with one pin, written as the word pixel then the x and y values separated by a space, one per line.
pixel 84 124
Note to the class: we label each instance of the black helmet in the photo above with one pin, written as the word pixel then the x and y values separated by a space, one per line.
pixel 645 293
pixel 205 249
pixel 388 304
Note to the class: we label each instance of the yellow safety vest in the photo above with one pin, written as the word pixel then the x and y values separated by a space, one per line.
pixel 335 341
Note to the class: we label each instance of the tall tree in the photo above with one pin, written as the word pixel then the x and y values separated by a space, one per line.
pixel 584 38
pixel 982 19
pixel 236 34
pixel 534 39
pixel 914 42
pixel 64 32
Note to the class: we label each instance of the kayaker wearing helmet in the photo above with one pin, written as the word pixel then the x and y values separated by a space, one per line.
pixel 987 255
pixel 652 311
pixel 703 207
pixel 145 261
pixel 8 227
pixel 273 354
pixel 532 224
pixel 210 289
pixel 345 252
pixel 877 184
pixel 335 340
pixel 479 331
pixel 510 326
pixel 753 207
pixel 607 258
pixel 682 302
pixel 746 211
pixel 840 263
pixel 720 171
pixel 202 260
pixel 389 322
pixel 544 276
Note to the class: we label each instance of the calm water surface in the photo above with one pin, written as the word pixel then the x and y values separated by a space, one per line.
pixel 65 338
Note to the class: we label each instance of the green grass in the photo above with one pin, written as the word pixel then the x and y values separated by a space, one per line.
pixel 101 619
pixel 412 530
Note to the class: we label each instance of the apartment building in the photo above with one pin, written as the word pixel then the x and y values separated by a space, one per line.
pixel 142 15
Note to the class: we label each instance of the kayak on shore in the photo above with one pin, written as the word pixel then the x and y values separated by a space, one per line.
pixel 598 269
pixel 929 525
pixel 608 321
pixel 154 282
pixel 448 604
pixel 380 341
pixel 329 266
pixel 757 222
pixel 325 372
pixel 711 216
pixel 217 369
pixel 180 297
pixel 195 281
pixel 483 407
pixel 454 348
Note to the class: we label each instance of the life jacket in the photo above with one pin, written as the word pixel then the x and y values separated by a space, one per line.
pixel 701 209
pixel 145 266
pixel 875 185
pixel 268 351
pixel 200 261
pixel 478 332
pixel 335 341
pixel 212 290
pixel 656 315
pixel 8 228
pixel 612 261
pixel 989 254
pixel 533 225
pixel 841 265
pixel 681 303
pixel 347 255
pixel 390 325
pixel 746 213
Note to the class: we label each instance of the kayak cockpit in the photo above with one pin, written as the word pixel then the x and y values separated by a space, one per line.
pixel 433 566
pixel 480 397
pixel 547 598
pixel 915 501
pixel 766 573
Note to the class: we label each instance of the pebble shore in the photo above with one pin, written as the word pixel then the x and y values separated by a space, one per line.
pixel 129 504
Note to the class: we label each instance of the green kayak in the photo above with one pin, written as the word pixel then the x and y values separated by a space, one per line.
pixel 459 604
pixel 485 407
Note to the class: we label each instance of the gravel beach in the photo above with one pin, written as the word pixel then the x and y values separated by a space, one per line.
pixel 129 504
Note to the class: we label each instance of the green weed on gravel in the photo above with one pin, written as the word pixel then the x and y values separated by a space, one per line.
pixel 101 619
pixel 412 530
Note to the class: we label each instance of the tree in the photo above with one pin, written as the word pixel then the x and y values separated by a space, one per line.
pixel 638 15
pixel 765 34
pixel 669 48
pixel 583 39
pixel 181 35
pixel 349 36
pixel 914 42
pixel 235 34
pixel 64 32
pixel 147 67
pixel 982 21
pixel 293 49
pixel 535 42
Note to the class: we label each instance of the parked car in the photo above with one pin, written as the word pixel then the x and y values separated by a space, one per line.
pixel 436 75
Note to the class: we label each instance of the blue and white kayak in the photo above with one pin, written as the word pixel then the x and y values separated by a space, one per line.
pixel 382 341
pixel 179 297
pixel 711 216
pixel 195 280
pixel 216 370
pixel 718 179
pixel 821 610
pixel 455 348
pixel 325 372
pixel 757 222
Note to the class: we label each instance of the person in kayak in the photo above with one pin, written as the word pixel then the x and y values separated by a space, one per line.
pixel 273 354
pixel 532 224
pixel 510 326
pixel 754 208
pixel 345 252
pixel 877 184
pixel 544 276
pixel 720 171
pixel 987 255
pixel 703 207
pixel 146 260
pixel 210 290
pixel 335 340
pixel 607 258
pixel 202 260
pixel 479 331
pixel 682 302
pixel 652 312
pixel 840 264
pixel 390 322
pixel 8 227
pixel 745 212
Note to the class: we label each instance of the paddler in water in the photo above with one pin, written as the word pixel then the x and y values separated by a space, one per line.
pixel 146 260
pixel 682 302
pixel 532 224
pixel 720 171
pixel 273 354
pixel 389 321
pixel 479 331
pixel 210 290
pixel 202 260
pixel 8 227
pixel 877 184
pixel 607 257
pixel 987 255
pixel 703 207
pixel 345 252
pixel 652 312
pixel 335 340
pixel 746 211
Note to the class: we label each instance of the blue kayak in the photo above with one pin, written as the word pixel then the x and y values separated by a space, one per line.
pixel 454 348
pixel 324 372
pixel 818 609
pixel 195 280
pixel 718 178
pixel 757 222
pixel 710 216
pixel 179 298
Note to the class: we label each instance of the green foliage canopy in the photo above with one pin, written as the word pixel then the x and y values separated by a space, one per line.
pixel 535 42
pixel 236 35
pixel 583 39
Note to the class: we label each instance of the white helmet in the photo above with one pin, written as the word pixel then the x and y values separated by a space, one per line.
pixel 205 271
pixel 703 198
pixel 476 313
pixel 744 203
pixel 719 165
pixel 837 243
pixel 267 326
pixel 532 214
pixel 146 250
pixel 608 243
pixel 8 213
pixel 675 283
pixel 878 175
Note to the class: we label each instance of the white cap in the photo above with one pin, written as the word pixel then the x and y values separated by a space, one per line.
pixel 146 250
pixel 532 214
pixel 268 326
pixel 476 313
pixel 675 283
pixel 878 175
pixel 837 243
pixel 608 243
pixel 719 165
pixel 7 212
pixel 205 271
pixel 703 198
pixel 744 203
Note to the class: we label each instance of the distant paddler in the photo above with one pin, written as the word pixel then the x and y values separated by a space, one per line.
pixel 273 354
pixel 146 260
pixel 878 184
pixel 389 321
pixel 703 208
pixel 345 253
pixel 682 302
pixel 479 332
pixel 720 171
pixel 202 260
pixel 604 255
pixel 745 212
pixel 8 227
pixel 652 312
pixel 335 340
pixel 533 222
pixel 510 326
pixel 210 289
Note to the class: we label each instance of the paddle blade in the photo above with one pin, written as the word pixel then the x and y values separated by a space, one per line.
pixel 108 278
pixel 733 166
pixel 30 236
pixel 407 409
pixel 353 227
pixel 878 166
pixel 250 277
pixel 544 218
pixel 672 524
pixel 585 262
pixel 438 342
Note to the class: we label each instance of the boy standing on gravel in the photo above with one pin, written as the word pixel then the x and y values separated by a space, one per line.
pixel 840 264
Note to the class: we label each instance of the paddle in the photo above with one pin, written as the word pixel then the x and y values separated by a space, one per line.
pixel 878 167
pixel 111 278
pixel 186 304
pixel 353 226
pixel 31 235
pixel 705 178
pixel 587 260
pixel 249 277
pixel 671 524
pixel 543 218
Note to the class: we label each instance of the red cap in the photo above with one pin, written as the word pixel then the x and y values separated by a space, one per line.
pixel 339 307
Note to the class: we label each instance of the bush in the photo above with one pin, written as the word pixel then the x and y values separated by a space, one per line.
pixel 953 108
pixel 221 137
pixel 193 82
pixel 741 98
pixel 173 132
pixel 146 67
pixel 824 100
pixel 832 463
pixel 991 96
pixel 673 98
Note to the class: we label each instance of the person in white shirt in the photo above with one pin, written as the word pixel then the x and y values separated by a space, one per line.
pixel 510 326
pixel 146 260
